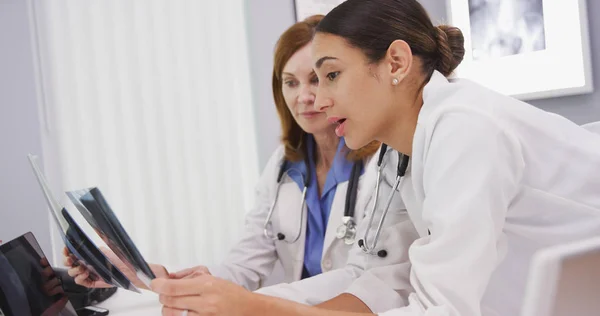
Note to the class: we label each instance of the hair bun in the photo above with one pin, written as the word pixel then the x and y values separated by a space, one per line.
pixel 451 48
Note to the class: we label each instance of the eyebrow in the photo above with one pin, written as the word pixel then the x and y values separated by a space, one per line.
pixel 312 72
pixel 321 60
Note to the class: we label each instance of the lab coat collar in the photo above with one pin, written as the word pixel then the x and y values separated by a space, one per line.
pixel 432 94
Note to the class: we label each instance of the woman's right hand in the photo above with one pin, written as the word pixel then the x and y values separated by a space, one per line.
pixel 82 275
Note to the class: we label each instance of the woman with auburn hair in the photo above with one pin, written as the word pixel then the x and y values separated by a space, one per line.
pixel 308 201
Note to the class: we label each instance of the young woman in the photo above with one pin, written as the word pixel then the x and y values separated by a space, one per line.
pixel 489 179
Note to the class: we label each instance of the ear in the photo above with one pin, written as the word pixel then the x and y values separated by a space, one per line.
pixel 399 58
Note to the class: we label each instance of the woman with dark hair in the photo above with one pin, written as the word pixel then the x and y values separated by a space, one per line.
pixel 487 180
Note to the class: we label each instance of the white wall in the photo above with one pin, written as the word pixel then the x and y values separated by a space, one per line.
pixel 266 19
pixel 22 207
pixel 581 109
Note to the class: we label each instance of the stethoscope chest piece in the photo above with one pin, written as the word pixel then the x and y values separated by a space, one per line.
pixel 347 231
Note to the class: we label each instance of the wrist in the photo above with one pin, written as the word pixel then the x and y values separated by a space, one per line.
pixel 274 306
pixel 259 305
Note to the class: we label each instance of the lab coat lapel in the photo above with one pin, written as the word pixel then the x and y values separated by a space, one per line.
pixel 412 191
pixel 289 217
pixel 335 217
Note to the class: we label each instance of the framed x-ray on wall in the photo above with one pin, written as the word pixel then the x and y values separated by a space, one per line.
pixel 529 49
pixel 306 8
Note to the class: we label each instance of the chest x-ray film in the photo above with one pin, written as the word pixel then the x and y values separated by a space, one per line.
pixel 28 284
pixel 78 243
pixel 95 209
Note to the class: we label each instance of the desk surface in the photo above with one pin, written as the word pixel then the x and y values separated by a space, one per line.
pixel 133 304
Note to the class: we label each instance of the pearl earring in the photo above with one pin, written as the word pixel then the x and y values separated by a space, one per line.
pixel 395 81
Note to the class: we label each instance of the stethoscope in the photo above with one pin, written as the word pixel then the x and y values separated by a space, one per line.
pixel 363 243
pixel 346 231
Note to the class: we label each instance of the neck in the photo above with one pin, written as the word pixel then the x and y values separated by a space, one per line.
pixel 326 146
pixel 401 130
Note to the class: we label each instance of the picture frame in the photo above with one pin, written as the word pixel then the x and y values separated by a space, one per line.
pixel 306 8
pixel 529 49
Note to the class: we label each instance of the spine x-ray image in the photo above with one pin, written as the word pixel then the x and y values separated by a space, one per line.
pixel 506 27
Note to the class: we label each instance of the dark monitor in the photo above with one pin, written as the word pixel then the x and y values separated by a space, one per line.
pixel 28 284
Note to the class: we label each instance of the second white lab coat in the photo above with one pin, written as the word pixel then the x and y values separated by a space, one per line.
pixel 252 259
pixel 375 280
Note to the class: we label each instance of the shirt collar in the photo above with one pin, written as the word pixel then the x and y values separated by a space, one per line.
pixel 340 170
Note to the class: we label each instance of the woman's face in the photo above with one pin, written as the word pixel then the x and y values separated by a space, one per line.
pixel 352 92
pixel 299 89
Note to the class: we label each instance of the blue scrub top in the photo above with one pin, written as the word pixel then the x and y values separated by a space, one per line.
pixel 319 207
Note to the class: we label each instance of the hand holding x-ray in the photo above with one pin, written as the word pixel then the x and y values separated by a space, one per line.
pixel 82 275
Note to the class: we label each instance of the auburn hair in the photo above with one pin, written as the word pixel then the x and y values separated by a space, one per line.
pixel 293 136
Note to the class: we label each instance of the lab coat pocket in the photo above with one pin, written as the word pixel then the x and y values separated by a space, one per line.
pixel 396 237
pixel 394 268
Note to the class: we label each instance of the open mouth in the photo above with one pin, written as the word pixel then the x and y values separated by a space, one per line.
pixel 339 130
pixel 336 120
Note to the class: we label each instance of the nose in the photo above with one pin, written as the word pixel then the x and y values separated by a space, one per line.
pixel 322 103
pixel 307 95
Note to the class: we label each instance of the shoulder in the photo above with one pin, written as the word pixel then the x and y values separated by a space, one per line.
pixel 466 106
pixel 276 157
pixel 458 128
pixel 462 138
pixel 273 165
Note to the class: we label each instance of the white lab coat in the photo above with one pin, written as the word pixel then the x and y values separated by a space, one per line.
pixel 252 259
pixel 376 281
pixel 494 180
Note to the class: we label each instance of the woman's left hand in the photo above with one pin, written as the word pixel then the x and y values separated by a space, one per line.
pixel 205 295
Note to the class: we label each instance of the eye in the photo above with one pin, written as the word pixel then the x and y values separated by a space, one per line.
pixel 332 75
pixel 290 83
pixel 314 80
